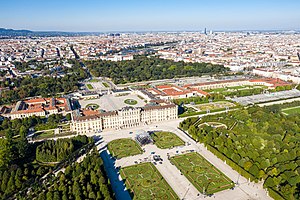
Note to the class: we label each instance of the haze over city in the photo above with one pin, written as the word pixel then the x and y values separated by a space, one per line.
pixel 150 15
pixel 150 99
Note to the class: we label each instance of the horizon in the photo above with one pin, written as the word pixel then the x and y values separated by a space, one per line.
pixel 151 31
pixel 150 16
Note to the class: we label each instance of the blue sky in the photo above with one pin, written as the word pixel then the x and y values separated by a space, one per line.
pixel 150 15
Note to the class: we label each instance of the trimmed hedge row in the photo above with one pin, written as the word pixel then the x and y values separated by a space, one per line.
pixel 275 194
pixel 231 163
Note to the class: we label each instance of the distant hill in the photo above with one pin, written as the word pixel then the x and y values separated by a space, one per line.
pixel 12 32
pixel 15 33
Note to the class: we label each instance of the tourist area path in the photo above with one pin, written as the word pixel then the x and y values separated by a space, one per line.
pixel 243 190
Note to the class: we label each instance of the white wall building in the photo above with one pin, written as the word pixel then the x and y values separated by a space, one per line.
pixel 124 118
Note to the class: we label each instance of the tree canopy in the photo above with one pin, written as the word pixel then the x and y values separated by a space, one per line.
pixel 262 143
pixel 143 68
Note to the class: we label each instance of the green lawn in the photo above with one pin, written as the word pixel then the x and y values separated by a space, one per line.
pixel 130 101
pixel 202 174
pixel 89 86
pixel 214 105
pixel 93 105
pixel 105 84
pixel 94 80
pixel 145 182
pixel 165 140
pixel 50 134
pixel 244 90
pixel 124 147
pixel 291 111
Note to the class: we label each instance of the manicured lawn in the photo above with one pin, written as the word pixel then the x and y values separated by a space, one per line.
pixel 46 134
pixel 202 174
pixel 50 134
pixel 130 101
pixel 165 140
pixel 214 105
pixel 94 80
pixel 245 89
pixel 105 84
pixel 203 107
pixel 93 105
pixel 89 86
pixel 291 111
pixel 145 182
pixel 124 147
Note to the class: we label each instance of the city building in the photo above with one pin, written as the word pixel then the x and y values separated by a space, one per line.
pixel 169 92
pixel 291 74
pixel 37 107
pixel 271 83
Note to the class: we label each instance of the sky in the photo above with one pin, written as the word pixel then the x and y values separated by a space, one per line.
pixel 149 15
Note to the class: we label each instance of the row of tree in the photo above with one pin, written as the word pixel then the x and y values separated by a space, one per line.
pixel 21 177
pixel 20 88
pixel 198 100
pixel 85 180
pixel 57 150
pixel 16 169
pixel 21 126
pixel 263 143
pixel 143 68
pixel 17 177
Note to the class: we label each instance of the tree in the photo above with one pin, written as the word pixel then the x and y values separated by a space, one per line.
pixel 68 117
pixel 269 182
pixel 22 147
pixel 23 132
pixel 18 182
pixel 192 131
pixel 5 179
pixel 11 185
pixel 93 178
pixel 254 170
pixel 56 195
pixel 92 195
pixel 42 196
pixel 5 153
pixel 49 195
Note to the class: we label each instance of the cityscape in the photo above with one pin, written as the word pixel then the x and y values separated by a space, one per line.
pixel 149 100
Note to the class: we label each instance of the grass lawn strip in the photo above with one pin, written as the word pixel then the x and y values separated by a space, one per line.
pixel 201 173
pixel 89 86
pixel 124 147
pixel 94 80
pixel 165 140
pixel 291 110
pixel 145 182
pixel 105 84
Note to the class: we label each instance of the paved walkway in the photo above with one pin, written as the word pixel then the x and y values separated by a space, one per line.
pixel 244 190
pixel 171 174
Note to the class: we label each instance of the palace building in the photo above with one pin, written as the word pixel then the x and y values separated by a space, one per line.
pixel 87 121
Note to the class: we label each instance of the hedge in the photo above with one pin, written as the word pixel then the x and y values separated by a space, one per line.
pixel 275 195
pixel 231 163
